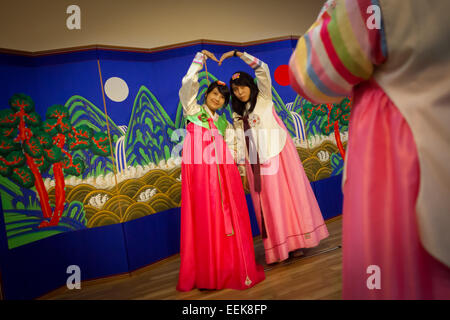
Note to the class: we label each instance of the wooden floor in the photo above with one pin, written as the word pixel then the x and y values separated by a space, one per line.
pixel 316 275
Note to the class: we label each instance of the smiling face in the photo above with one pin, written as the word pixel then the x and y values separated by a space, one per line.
pixel 241 92
pixel 215 100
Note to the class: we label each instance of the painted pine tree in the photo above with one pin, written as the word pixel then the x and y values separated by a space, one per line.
pixel 22 156
pixel 329 117
pixel 29 147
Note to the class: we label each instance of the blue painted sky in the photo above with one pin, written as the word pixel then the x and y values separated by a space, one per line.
pixel 54 79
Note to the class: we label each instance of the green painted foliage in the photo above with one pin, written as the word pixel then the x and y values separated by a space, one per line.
pixel 321 110
pixel 44 165
pixel 33 148
pixel 19 101
pixel 53 154
pixel 75 170
pixel 345 118
pixel 74 145
pixel 84 130
pixel 15 159
pixel 23 177
pixel 309 112
pixel 326 128
pixel 56 111
pixel 100 144
pixel 10 133
pixel 33 119
pixel 10 161
pixel 8 119
pixel 7 145
pixel 335 113
pixel 81 137
pixel 58 120
pixel 346 105
pixel 49 126
pixel 44 138
pixel 64 126
pixel 5 170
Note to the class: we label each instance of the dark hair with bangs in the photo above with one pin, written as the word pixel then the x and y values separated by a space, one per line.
pixel 223 89
pixel 244 80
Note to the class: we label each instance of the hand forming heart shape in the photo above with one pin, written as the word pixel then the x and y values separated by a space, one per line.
pixel 224 56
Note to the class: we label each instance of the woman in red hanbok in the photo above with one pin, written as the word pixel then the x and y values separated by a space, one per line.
pixel 216 248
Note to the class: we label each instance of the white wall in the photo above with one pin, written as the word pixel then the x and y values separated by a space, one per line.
pixel 37 25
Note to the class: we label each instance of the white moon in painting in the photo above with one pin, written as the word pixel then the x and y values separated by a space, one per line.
pixel 116 89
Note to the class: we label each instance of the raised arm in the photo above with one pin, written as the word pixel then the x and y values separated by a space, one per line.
pixel 338 51
pixel 262 71
pixel 189 86
pixel 262 74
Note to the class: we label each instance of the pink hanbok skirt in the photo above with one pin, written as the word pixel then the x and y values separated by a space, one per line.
pixel 291 213
pixel 382 254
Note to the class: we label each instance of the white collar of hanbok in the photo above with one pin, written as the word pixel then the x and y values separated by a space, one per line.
pixel 215 117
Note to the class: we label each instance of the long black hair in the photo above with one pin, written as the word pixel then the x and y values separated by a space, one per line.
pixel 223 89
pixel 241 78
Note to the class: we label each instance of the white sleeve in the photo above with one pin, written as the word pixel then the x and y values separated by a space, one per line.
pixel 190 86
pixel 262 74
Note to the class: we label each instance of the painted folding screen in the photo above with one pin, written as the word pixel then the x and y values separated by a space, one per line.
pixel 70 160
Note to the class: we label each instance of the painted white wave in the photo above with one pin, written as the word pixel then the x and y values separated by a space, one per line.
pixel 315 141
pixel 323 156
pixel 146 195
pixel 108 180
pixel 98 200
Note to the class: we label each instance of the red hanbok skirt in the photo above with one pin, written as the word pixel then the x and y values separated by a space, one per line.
pixel 216 248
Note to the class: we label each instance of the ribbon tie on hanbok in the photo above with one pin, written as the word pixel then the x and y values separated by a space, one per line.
pixel 225 203
pixel 255 168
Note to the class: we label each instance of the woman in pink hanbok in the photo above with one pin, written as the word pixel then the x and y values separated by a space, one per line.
pixel 286 209
pixel 216 245
pixel 393 57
